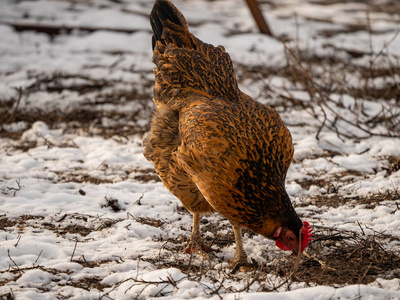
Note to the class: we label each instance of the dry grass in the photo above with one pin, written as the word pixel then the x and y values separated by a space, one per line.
pixel 350 258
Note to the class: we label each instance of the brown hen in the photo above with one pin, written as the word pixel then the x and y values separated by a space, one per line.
pixel 214 147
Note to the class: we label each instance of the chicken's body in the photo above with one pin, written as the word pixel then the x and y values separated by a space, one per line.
pixel 214 147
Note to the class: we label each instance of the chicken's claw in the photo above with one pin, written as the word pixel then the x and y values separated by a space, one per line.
pixel 240 265
pixel 239 262
pixel 196 246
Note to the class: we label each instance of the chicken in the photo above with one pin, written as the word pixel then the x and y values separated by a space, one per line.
pixel 214 147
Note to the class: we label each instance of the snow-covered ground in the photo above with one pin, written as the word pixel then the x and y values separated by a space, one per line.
pixel 83 214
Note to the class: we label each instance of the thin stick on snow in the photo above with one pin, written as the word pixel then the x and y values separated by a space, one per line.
pixel 9 256
pixel 19 238
pixel 37 257
pixel 11 116
pixel 73 252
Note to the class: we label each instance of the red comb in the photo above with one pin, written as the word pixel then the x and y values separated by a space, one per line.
pixel 306 235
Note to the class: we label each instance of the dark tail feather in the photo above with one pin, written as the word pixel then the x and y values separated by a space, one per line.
pixel 162 11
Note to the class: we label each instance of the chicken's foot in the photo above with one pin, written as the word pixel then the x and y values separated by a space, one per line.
pixel 196 243
pixel 240 258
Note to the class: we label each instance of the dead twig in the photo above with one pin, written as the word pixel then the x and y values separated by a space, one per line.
pixel 73 252
pixel 20 91
pixel 37 258
pixel 18 188
pixel 15 264
pixel 324 102
pixel 19 238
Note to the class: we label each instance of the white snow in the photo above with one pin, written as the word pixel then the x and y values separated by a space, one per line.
pixel 45 174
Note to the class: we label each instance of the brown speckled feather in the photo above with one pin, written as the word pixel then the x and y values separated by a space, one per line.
pixel 214 147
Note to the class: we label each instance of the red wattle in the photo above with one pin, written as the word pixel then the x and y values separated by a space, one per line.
pixel 282 246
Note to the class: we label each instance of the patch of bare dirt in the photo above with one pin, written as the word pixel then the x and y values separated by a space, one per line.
pixel 369 201
pixel 66 224
pixel 146 175
pixel 89 115
pixel 394 165
pixel 80 175
pixel 89 283
pixel 112 204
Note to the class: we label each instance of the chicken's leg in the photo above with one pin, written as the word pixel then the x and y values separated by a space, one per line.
pixel 196 242
pixel 240 258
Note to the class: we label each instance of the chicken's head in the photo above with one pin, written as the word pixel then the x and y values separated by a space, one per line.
pixel 287 240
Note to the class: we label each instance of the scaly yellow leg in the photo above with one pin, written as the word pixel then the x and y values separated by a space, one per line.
pixel 240 258
pixel 196 242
